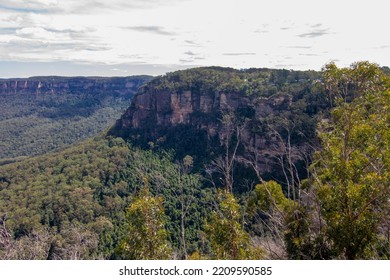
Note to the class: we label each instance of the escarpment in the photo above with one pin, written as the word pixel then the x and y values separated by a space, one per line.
pixel 202 111
pixel 44 114
pixel 53 84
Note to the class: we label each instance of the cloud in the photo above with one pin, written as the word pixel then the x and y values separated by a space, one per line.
pixel 192 57
pixel 165 31
pixel 40 33
pixel 290 66
pixel 23 10
pixel 187 60
pixel 299 47
pixel 316 25
pixel 190 42
pixel 8 30
pixel 21 47
pixel 132 56
pixel 314 33
pixel 81 7
pixel 309 54
pixel 193 44
pixel 12 69
pixel 46 44
pixel 17 20
pixel 152 29
pixel 29 6
pixel 83 37
pixel 190 53
pixel 238 54
pixel 260 31
pixel 142 4
pixel 263 29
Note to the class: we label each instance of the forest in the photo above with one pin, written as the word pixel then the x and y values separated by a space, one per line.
pixel 317 188
pixel 40 115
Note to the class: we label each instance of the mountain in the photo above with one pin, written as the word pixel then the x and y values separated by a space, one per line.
pixel 43 114
pixel 207 163
pixel 56 85
pixel 199 111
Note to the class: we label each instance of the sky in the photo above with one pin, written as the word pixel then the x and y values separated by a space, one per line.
pixel 133 37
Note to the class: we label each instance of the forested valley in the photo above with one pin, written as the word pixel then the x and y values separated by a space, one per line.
pixel 45 114
pixel 237 164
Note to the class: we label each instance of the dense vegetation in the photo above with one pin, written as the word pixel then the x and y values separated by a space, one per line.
pixel 34 123
pixel 107 198
pixel 82 194
pixel 279 108
pixel 342 209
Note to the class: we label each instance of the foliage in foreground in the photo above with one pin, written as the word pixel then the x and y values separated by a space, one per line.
pixel 352 173
pixel 93 200
pixel 342 210
pixel 81 194
pixel 228 239
pixel 146 235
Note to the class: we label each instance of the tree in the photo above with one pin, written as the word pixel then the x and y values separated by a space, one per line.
pixel 230 137
pixel 185 194
pixel 228 239
pixel 34 246
pixel 146 237
pixel 351 174
pixel 279 220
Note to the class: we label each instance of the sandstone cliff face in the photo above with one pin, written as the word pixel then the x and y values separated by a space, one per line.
pixel 53 85
pixel 156 115
pixel 167 109
pixel 184 111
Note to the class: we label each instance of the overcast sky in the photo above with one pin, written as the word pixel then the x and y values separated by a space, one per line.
pixel 127 37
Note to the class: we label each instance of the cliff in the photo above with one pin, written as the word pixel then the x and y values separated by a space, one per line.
pixel 119 85
pixel 165 108
pixel 44 114
pixel 186 110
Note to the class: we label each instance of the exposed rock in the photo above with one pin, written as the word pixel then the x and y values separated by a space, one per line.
pixel 164 108
pixel 183 110
pixel 42 85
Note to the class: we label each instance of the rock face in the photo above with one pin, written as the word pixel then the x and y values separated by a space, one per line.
pixel 42 85
pixel 184 111
pixel 168 109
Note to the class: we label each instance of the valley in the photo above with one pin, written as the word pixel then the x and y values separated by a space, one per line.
pixel 44 114
pixel 204 163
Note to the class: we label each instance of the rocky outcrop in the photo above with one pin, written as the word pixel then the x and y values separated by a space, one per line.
pixel 199 109
pixel 184 111
pixel 52 85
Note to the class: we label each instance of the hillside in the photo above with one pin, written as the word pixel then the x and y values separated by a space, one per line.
pixel 203 112
pixel 217 163
pixel 72 204
pixel 44 114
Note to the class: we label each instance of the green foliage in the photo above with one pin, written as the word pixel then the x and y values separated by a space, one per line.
pixel 146 236
pixel 262 100
pixel 352 171
pixel 268 196
pixel 90 201
pixel 248 82
pixel 88 187
pixel 34 123
pixel 228 239
pixel 279 217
